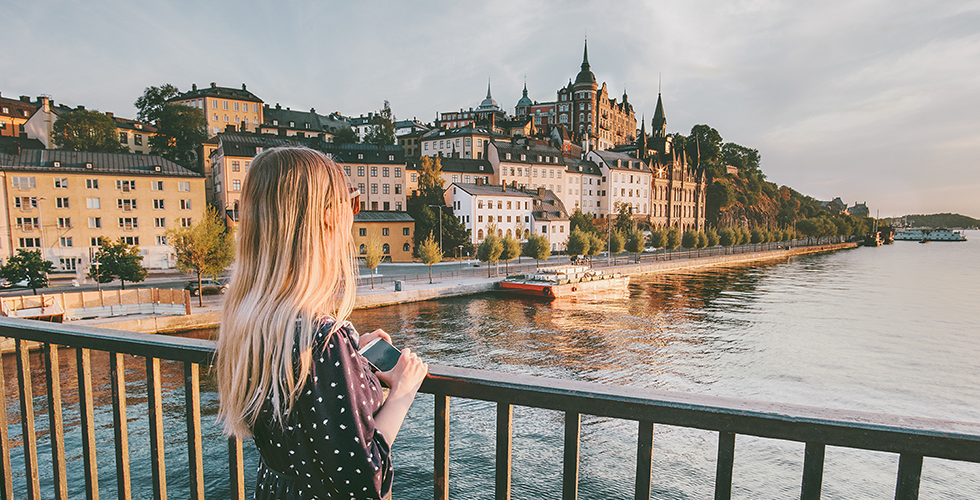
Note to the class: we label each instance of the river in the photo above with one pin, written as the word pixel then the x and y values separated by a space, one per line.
pixel 894 329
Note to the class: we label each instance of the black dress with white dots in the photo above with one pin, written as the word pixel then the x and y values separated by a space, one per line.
pixel 329 447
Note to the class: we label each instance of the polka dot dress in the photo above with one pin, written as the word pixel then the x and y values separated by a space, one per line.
pixel 329 447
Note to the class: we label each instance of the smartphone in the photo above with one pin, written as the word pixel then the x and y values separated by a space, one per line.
pixel 382 355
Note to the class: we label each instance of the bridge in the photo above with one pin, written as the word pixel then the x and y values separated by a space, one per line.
pixel 910 438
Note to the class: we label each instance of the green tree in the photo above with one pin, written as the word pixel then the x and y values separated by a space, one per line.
pixel 727 237
pixel 596 246
pixel 383 132
pixel 703 148
pixel 702 240
pixel 430 192
pixel 372 254
pixel 746 159
pixel 151 103
pixel 690 239
pixel 720 194
pixel 757 236
pixel 658 239
pixel 84 130
pixel 27 265
pixel 430 254
pixel 578 242
pixel 616 242
pixel 206 247
pixel 489 250
pixel 537 248
pixel 180 130
pixel 712 236
pixel 345 135
pixel 635 242
pixel 511 250
pixel 673 238
pixel 117 259
pixel 582 220
pixel 624 218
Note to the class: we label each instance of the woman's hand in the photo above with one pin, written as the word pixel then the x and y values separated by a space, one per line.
pixel 407 375
pixel 368 337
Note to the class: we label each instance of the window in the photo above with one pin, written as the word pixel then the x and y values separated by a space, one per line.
pixel 128 223
pixel 385 188
pixel 27 223
pixel 159 222
pixel 374 188
pixel 158 205
pixel 398 188
pixel 61 202
pixel 406 247
pixel 126 204
pixel 362 249
pixel 91 184
pixel 185 204
pixel 386 249
pixel 415 177
pixel 236 106
pixel 185 222
pixel 30 242
pixel 138 139
pixel 66 241
pixel 64 222
pixel 224 105
pixel 123 138
pixel 236 167
pixel 69 263
pixel 360 156
pixel 93 203
pixel 362 231
pixel 236 185
pixel 360 171
pixel 347 170
pixel 214 104
pixel 398 204
pixel 479 204
pixel 384 171
pixel 131 240
pixel 61 183
pixel 183 186
pixel 161 240
pixel 156 185
pixel 391 157
pixel 125 185
pixel 23 183
pixel 405 231
pixel 95 222
pixel 374 171
pixel 507 155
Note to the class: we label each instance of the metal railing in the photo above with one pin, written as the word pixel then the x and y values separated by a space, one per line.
pixel 911 438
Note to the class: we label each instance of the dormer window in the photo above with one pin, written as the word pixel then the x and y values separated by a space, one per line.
pixel 292 124
pixel 507 155
pixel 275 122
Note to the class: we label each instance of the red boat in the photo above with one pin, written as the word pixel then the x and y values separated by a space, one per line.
pixel 564 281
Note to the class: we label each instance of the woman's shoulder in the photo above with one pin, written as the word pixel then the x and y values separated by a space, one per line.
pixel 327 329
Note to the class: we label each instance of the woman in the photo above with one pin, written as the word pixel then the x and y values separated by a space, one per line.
pixel 287 366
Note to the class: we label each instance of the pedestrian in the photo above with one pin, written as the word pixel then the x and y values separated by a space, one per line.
pixel 288 372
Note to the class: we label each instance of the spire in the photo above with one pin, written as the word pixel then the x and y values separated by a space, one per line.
pixel 659 119
pixel 585 76
pixel 525 86
pixel 585 56
pixel 488 89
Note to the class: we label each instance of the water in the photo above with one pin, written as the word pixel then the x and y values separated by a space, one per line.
pixel 891 329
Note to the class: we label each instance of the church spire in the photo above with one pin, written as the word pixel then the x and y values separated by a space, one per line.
pixel 585 56
pixel 659 119
pixel 488 89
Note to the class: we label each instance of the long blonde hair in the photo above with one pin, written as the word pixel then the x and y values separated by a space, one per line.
pixel 295 266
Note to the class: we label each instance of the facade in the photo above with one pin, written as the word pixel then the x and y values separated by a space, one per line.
pixel 224 106
pixel 363 124
pixel 587 111
pixel 61 202
pixel 459 170
pixel 392 230
pixel 411 143
pixel 517 212
pixel 487 113
pixel 284 121
pixel 465 142
pixel 584 187
pixel 14 114
pixel 628 183
pixel 134 135
pixel 377 171
pixel 528 163
pixel 544 114
pixel 229 162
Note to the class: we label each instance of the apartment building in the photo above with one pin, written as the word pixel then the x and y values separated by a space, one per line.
pixel 224 106
pixel 510 211
pixel 14 114
pixel 460 170
pixel 229 162
pixel 465 142
pixel 393 231
pixel 291 122
pixel 377 171
pixel 133 134
pixel 61 202
pixel 628 182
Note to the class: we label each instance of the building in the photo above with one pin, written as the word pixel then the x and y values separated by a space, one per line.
pixel 411 143
pixel 460 170
pixel 544 114
pixel 510 211
pixel 229 162
pixel 595 119
pixel 285 121
pixel 14 114
pixel 362 125
pixel 133 134
pixel 628 182
pixel 61 202
pixel 393 231
pixel 405 127
pixel 528 163
pixel 224 106
pixel 487 114
pixel 859 210
pixel 377 171
pixel 584 187
pixel 465 142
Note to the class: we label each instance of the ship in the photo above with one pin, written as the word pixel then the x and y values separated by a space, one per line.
pixel 558 282
pixel 926 234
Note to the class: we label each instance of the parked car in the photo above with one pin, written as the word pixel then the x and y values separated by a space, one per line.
pixel 208 286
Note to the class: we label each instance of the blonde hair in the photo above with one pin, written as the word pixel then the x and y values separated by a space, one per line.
pixel 295 267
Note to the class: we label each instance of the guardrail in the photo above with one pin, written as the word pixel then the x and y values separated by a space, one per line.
pixel 911 438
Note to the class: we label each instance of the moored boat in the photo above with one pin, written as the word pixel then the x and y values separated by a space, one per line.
pixel 563 281
pixel 927 234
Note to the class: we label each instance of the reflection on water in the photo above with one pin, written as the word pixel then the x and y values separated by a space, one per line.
pixel 890 329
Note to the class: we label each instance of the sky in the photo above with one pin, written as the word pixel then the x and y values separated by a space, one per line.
pixel 868 100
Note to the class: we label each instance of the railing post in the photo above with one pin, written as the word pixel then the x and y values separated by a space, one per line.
pixel 27 419
pixel 154 405
pixel 192 405
pixel 909 474
pixel 812 471
pixel 117 370
pixel 569 480
pixel 440 465
pixel 726 462
pixel 236 468
pixel 505 429
pixel 86 412
pixel 55 424
pixel 644 460
pixel 7 484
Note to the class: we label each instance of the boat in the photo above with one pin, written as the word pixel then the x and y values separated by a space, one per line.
pixel 558 282
pixel 927 234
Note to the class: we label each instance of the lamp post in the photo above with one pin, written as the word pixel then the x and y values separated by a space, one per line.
pixel 440 207
pixel 459 256
pixel 40 224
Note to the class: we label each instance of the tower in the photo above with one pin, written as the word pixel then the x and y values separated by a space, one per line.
pixel 524 104
pixel 660 140
pixel 583 100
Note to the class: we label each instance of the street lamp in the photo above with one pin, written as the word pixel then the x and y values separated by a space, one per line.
pixel 440 207
pixel 459 256
pixel 40 224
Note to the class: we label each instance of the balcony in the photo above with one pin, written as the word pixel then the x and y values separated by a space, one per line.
pixel 910 438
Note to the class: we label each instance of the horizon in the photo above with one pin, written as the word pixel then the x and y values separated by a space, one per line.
pixel 864 101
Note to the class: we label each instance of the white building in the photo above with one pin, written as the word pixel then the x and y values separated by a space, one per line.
pixel 628 182
pixel 509 211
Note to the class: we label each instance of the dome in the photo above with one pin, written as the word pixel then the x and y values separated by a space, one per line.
pixel 585 76
pixel 488 103
pixel 525 101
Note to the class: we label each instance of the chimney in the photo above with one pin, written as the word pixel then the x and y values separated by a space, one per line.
pixel 193 86
pixel 479 181
pixel 282 131
pixel 24 98
pixel 312 110
pixel 243 86
pixel 229 128
pixel 278 106
pixel 540 191
pixel 109 114
pixel 503 186
pixel 214 85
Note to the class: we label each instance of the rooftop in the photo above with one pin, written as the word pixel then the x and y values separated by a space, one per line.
pixel 44 160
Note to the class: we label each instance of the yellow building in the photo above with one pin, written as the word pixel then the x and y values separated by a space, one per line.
pixel 224 106
pixel 62 201
pixel 392 230
pixel 378 171
pixel 14 114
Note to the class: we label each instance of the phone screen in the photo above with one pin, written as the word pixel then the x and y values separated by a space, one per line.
pixel 382 355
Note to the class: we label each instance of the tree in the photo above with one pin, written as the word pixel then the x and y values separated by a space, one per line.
pixel 712 236
pixel 537 248
pixel 616 242
pixel 727 237
pixel 658 239
pixel 746 159
pixel 180 130
pixel 624 218
pixel 512 249
pixel 490 249
pixel 690 239
pixel 151 103
pixel 673 238
pixel 84 130
pixel 702 240
pixel 345 135
pixel 118 260
pixel 583 221
pixel 429 253
pixel 383 132
pixel 430 192
pixel 206 247
pixel 720 194
pixel 596 246
pixel 27 265
pixel 635 242
pixel 372 254
pixel 757 236
pixel 578 242
pixel 703 148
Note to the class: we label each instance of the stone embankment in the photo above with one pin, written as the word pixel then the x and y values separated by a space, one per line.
pixel 419 291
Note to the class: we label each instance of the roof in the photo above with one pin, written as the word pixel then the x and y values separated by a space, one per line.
pixel 9 144
pixel 460 132
pixel 370 153
pixel 610 157
pixel 659 120
pixel 127 124
pixel 459 165
pixel 105 163
pixel 488 104
pixel 530 152
pixel 215 91
pixel 582 166
pixel 490 190
pixel 244 143
pixel 382 216
pixel 585 76
pixel 318 123
pixel 548 206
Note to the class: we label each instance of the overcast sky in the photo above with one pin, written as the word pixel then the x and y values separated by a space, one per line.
pixel 869 100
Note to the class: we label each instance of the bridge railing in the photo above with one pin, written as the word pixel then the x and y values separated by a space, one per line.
pixel 909 437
